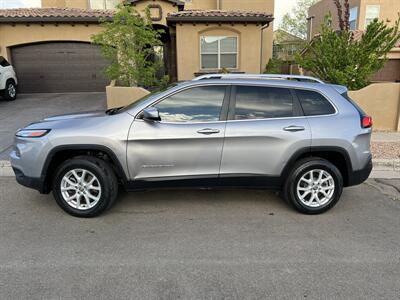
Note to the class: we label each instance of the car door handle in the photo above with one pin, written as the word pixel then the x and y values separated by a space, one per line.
pixel 294 128
pixel 208 131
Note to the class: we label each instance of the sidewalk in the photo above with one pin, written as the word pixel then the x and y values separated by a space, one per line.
pixel 385 150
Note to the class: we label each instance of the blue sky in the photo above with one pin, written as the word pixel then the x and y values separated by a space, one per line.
pixel 281 6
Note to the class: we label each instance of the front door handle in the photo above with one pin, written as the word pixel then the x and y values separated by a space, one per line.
pixel 294 128
pixel 208 131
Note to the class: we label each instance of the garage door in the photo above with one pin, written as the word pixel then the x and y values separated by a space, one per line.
pixel 390 72
pixel 59 67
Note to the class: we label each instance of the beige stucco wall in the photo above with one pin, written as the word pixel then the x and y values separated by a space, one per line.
pixel 382 102
pixel 167 7
pixel 201 4
pixel 188 46
pixel 123 96
pixel 22 34
pixel 66 3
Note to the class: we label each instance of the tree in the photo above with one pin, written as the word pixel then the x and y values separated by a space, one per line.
pixel 274 66
pixel 129 42
pixel 336 57
pixel 343 11
pixel 296 22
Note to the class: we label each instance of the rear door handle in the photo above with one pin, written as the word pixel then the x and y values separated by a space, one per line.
pixel 208 131
pixel 294 128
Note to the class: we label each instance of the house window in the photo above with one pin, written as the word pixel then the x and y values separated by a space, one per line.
pixel 219 52
pixel 371 13
pixel 353 18
pixel 103 4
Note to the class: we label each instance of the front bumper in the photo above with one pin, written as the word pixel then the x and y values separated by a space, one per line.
pixel 30 182
pixel 359 176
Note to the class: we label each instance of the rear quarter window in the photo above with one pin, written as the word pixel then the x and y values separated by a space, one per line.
pixel 314 104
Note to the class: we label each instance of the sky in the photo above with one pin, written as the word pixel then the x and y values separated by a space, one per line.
pixel 281 7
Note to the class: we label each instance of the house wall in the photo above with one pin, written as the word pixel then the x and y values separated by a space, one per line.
pixel 66 3
pixel 389 10
pixel 13 35
pixel 201 4
pixel 189 36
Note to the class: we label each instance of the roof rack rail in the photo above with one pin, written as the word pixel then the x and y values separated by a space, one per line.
pixel 258 76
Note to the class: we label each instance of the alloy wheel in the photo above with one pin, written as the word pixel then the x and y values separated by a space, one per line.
pixel 315 188
pixel 80 189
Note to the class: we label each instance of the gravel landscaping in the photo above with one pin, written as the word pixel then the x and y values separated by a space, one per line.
pixel 385 150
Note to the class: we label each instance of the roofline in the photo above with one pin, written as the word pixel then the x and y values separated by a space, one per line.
pixel 218 19
pixel 53 19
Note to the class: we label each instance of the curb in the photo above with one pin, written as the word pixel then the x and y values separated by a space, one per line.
pixel 381 166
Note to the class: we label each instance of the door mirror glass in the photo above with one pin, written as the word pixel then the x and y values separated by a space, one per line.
pixel 151 114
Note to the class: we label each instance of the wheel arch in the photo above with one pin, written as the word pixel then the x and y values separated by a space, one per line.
pixel 61 153
pixel 335 155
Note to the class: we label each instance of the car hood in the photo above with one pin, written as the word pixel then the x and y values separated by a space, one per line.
pixel 89 114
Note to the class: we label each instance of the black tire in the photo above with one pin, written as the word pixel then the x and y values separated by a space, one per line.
pixel 10 92
pixel 302 167
pixel 106 178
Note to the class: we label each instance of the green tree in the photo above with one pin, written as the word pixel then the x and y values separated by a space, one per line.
pixel 128 42
pixel 334 56
pixel 296 22
pixel 274 66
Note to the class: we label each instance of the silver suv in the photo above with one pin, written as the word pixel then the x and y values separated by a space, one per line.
pixel 290 133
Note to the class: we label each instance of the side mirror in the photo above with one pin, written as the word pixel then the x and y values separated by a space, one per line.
pixel 151 114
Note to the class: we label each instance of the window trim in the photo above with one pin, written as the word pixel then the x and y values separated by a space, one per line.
pixel 232 104
pixel 297 110
pixel 323 95
pixel 366 10
pixel 224 109
pixel 219 53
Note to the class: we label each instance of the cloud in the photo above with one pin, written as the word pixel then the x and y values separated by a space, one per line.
pixel 19 3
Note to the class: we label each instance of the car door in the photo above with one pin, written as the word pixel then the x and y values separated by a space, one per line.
pixel 265 128
pixel 187 142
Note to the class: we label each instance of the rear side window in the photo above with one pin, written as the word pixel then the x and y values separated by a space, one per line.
pixel 262 103
pixel 3 62
pixel 314 104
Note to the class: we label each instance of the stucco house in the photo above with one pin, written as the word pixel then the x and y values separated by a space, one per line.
pixel 51 51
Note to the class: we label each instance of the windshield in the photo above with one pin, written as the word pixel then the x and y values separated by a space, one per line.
pixel 145 98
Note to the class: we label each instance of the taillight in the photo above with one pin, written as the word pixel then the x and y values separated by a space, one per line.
pixel 366 122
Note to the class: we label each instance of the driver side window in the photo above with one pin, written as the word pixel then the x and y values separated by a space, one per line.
pixel 199 104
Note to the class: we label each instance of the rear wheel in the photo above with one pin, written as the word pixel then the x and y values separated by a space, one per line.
pixel 85 186
pixel 313 186
pixel 10 92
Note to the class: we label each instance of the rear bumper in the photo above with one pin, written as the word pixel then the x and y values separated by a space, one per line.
pixel 30 182
pixel 359 176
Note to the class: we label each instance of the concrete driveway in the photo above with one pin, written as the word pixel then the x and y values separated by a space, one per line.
pixel 241 244
pixel 32 107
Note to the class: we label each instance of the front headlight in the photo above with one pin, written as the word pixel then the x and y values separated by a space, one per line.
pixel 32 133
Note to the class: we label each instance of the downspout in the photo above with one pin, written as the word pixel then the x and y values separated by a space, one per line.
pixel 219 4
pixel 262 44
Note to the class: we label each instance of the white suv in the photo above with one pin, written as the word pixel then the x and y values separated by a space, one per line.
pixel 8 80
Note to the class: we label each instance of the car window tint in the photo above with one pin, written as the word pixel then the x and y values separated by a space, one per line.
pixel 314 104
pixel 201 104
pixel 263 102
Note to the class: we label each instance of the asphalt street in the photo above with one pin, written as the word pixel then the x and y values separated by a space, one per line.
pixel 207 244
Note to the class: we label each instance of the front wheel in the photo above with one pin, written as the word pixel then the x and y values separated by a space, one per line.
pixel 85 186
pixel 313 186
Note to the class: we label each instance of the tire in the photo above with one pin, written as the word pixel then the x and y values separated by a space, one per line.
pixel 319 195
pixel 10 92
pixel 98 196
